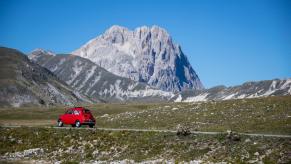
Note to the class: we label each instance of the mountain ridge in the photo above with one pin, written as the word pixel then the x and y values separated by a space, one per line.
pixel 24 83
pixel 250 89
pixel 94 81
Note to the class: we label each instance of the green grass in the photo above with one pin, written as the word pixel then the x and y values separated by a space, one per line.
pixel 260 115
pixel 30 113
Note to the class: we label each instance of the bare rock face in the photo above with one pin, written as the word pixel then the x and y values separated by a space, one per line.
pixel 146 54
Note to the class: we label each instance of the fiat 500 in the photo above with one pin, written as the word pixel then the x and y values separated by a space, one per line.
pixel 77 117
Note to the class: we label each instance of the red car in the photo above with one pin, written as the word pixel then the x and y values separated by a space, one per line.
pixel 77 117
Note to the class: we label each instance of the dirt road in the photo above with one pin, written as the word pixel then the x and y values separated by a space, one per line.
pixel 157 130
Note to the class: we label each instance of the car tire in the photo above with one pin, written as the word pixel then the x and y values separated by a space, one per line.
pixel 91 126
pixel 78 124
pixel 60 123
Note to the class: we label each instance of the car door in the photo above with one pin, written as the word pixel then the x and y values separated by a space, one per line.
pixel 76 115
pixel 68 117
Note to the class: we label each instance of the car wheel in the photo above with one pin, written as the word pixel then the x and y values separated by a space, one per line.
pixel 60 123
pixel 77 124
pixel 91 126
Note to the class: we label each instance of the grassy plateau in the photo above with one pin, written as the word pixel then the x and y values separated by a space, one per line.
pixel 271 115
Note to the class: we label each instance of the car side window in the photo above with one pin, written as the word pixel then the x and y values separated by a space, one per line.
pixel 76 112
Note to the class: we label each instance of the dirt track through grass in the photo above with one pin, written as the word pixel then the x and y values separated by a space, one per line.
pixel 161 131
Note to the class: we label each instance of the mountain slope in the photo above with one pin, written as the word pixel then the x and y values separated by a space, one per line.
pixel 145 55
pixel 265 88
pixel 25 83
pixel 94 81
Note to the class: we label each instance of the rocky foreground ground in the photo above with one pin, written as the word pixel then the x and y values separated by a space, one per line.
pixel 98 146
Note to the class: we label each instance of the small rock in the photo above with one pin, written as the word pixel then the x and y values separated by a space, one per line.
pixel 247 140
pixel 232 136
pixel 95 153
pixel 185 131
pixel 105 115
pixel 256 153
pixel 236 137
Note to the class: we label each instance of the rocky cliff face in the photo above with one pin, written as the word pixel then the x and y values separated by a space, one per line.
pixel 145 55
pixel 94 81
pixel 24 83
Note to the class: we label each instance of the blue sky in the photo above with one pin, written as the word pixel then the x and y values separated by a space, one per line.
pixel 227 41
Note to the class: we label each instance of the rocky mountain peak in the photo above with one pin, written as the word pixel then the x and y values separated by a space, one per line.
pixel 43 51
pixel 38 52
pixel 159 32
pixel 152 33
pixel 146 54
pixel 116 28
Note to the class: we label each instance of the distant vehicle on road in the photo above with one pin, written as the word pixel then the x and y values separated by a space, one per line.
pixel 77 117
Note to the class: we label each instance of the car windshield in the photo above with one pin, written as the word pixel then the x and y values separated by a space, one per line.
pixel 76 112
pixel 69 111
